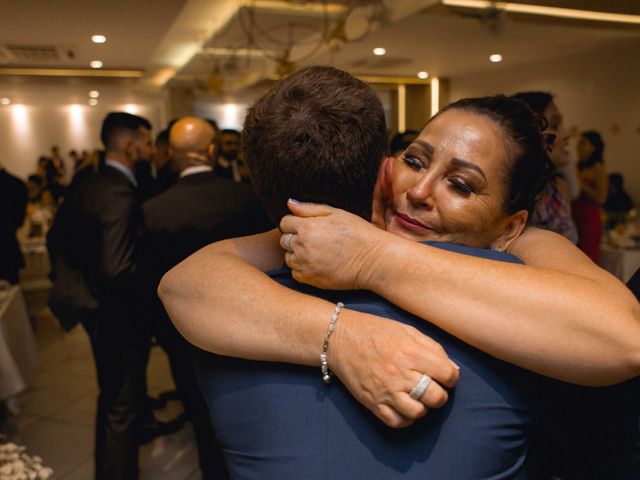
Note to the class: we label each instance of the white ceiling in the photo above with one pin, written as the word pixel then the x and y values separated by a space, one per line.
pixel 165 36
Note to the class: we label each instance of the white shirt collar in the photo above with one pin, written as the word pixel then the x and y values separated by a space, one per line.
pixel 122 169
pixel 195 169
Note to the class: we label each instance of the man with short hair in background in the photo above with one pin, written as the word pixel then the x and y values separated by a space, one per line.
pixel 199 209
pixel 98 235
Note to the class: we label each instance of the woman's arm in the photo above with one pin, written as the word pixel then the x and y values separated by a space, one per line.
pixel 222 303
pixel 560 315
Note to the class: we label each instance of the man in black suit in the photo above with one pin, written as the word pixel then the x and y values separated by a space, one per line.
pixel 199 209
pixel 101 232
pixel 13 205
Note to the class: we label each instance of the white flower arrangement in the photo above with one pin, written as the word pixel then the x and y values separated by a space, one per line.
pixel 16 464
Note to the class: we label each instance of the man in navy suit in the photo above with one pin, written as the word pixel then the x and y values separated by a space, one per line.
pixel 281 421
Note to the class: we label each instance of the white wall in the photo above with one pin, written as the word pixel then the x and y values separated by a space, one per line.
pixel 599 90
pixel 44 115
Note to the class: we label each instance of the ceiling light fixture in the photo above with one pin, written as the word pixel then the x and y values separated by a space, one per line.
pixel 94 94
pixel 5 101
pixel 98 38
pixel 495 58
pixel 423 75
pixel 96 64
pixel 93 102
pixel 379 51
pixel 545 11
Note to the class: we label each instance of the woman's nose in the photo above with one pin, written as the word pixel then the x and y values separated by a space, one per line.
pixel 421 193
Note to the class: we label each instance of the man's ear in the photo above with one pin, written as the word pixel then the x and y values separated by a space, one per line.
pixel 513 226
pixel 382 192
pixel 211 152
pixel 130 149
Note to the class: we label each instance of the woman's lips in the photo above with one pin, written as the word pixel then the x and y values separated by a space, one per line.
pixel 411 224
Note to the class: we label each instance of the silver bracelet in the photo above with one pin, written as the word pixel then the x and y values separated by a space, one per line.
pixel 326 374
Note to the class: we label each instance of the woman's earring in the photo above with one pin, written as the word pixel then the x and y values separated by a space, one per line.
pixel 496 249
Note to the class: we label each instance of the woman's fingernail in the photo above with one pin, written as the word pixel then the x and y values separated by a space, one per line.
pixel 454 364
pixel 293 201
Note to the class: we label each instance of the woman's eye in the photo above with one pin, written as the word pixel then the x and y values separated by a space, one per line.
pixel 462 186
pixel 412 162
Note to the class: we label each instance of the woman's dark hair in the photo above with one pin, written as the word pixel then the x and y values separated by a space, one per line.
pixel 594 139
pixel 537 101
pixel 527 164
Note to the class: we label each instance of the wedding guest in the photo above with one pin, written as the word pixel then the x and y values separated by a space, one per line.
pixel 13 207
pixel 587 208
pixel 553 208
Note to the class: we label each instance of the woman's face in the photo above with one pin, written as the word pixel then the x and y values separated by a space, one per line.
pixel 585 148
pixel 449 184
pixel 560 154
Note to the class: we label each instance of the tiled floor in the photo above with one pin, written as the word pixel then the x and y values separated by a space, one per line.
pixel 58 411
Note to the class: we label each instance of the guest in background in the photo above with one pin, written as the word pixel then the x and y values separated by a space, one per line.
pixel 618 203
pixel 199 209
pixel 587 208
pixel 401 141
pixel 227 165
pixel 553 208
pixel 13 207
pixel 165 174
pixel 75 159
pixel 97 232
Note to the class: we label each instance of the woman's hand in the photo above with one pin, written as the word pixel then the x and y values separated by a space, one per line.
pixel 380 361
pixel 328 247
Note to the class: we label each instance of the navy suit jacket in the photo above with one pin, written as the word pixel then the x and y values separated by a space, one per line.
pixel 280 421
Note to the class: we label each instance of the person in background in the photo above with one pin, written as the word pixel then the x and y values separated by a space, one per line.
pixel 553 208
pixel 587 208
pixel 75 159
pixel 13 207
pixel 165 174
pixel 97 232
pixel 401 141
pixel 227 165
pixel 199 209
pixel 618 203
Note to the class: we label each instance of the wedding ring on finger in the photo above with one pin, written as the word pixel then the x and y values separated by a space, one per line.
pixel 417 391
pixel 286 241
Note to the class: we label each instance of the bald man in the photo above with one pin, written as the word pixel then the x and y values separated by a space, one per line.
pixel 199 209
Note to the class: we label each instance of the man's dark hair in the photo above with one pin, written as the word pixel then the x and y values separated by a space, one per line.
pixel 163 137
pixel 230 131
pixel 318 136
pixel 527 164
pixel 117 122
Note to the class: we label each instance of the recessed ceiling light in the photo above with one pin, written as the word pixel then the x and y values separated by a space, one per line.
pixel 423 75
pixel 98 38
pixel 5 101
pixel 495 58
pixel 379 51
pixel 94 94
pixel 96 64
pixel 93 102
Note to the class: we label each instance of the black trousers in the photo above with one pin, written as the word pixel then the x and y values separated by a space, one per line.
pixel 120 351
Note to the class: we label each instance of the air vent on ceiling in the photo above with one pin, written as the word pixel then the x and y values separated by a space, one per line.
pixel 36 54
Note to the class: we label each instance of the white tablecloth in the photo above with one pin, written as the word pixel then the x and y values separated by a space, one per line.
pixel 18 348
pixel 622 262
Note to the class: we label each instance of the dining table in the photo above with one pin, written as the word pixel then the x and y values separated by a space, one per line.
pixel 18 347
pixel 620 261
